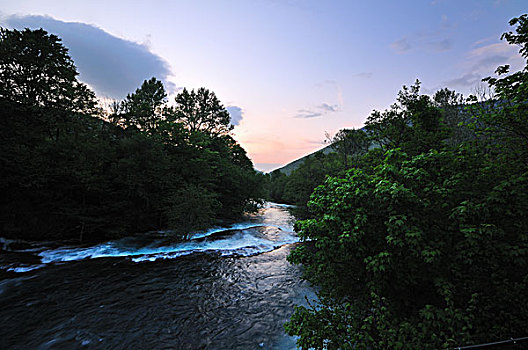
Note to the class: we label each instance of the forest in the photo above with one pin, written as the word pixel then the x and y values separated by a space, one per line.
pixel 70 169
pixel 414 230
pixel 418 239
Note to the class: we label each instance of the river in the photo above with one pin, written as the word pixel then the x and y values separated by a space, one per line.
pixel 227 288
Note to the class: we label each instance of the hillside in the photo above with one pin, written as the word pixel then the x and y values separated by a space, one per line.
pixel 288 168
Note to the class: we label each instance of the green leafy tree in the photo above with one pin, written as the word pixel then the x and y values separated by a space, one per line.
pixel 504 118
pixel 404 255
pixel 201 110
pixel 67 173
pixel 192 208
pixel 413 123
pixel 144 108
pixel 455 115
pixel 36 70
pixel 426 247
pixel 351 144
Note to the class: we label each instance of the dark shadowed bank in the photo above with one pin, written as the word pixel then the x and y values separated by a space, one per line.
pixel 72 170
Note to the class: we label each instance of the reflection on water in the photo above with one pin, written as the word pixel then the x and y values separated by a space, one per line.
pixel 215 297
pixel 270 228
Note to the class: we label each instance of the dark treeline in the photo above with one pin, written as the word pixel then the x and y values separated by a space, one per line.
pixel 407 125
pixel 346 150
pixel 68 169
pixel 420 242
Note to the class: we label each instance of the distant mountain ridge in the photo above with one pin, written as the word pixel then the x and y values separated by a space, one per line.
pixel 290 167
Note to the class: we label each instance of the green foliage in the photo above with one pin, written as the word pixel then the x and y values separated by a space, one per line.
pixel 201 110
pixel 143 109
pixel 504 119
pixel 425 245
pixel 440 237
pixel 413 123
pixel 35 70
pixel 351 144
pixel 67 173
pixel 192 208
pixel 298 186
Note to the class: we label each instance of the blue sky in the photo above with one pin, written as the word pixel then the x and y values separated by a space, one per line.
pixel 288 70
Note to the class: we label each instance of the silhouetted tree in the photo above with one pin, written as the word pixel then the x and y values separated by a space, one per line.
pixel 36 70
pixel 201 110
pixel 144 107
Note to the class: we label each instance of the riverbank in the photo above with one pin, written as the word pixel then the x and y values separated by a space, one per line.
pixel 212 298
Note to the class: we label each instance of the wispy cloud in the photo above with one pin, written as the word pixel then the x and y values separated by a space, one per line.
pixel 434 40
pixel 482 60
pixel 467 80
pixel 440 45
pixel 493 49
pixel 498 3
pixel 308 113
pixel 365 75
pixel 485 59
pixel 338 90
pixel 421 42
pixel 481 42
pixel 317 111
pixel 112 66
pixel 328 108
pixel 401 46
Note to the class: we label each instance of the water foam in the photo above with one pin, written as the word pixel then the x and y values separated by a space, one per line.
pixel 263 232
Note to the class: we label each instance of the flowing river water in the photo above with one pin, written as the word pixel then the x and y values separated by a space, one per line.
pixel 227 288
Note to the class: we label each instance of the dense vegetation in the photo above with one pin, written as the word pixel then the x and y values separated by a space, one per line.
pixel 346 149
pixel 423 243
pixel 70 170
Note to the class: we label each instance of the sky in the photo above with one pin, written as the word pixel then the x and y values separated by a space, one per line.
pixel 288 71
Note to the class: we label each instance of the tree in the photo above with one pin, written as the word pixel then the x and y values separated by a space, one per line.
pixel 426 247
pixel 99 180
pixel 455 115
pixel 36 70
pixel 201 110
pixel 144 108
pixel 504 118
pixel 424 252
pixel 350 143
pixel 413 123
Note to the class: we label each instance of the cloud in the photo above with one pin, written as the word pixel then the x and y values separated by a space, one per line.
pixel 307 114
pixel 467 80
pixel 236 114
pixel 482 61
pixel 335 85
pixel 423 41
pixel 485 59
pixel 435 39
pixel 365 75
pixel 498 3
pixel 439 46
pixel 496 48
pixel 401 46
pixel 493 61
pixel 481 42
pixel 328 108
pixel 317 111
pixel 112 66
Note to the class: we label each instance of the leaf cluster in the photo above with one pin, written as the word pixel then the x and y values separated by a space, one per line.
pixel 425 244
